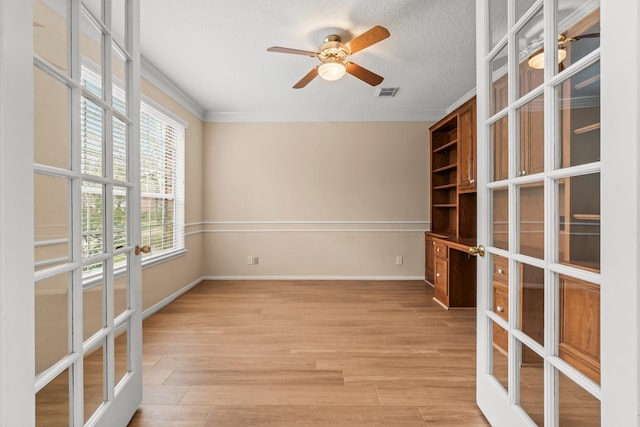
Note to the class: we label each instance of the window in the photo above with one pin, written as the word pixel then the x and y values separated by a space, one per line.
pixel 162 181
pixel 161 175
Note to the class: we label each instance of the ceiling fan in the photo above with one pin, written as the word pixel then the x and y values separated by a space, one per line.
pixel 333 55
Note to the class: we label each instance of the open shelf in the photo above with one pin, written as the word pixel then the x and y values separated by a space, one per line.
pixel 445 168
pixel 445 187
pixel 446 146
pixel 587 217
pixel 445 205
pixel 585 129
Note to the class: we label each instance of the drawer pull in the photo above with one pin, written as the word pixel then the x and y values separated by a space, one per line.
pixel 500 309
pixel 500 271
pixel 437 274
pixel 438 250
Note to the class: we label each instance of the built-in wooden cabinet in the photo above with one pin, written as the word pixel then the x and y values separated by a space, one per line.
pixel 579 338
pixel 453 173
pixel 429 249
pixel 441 279
pixel 467 148
pixel 453 208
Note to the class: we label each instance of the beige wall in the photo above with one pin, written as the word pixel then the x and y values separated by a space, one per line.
pixel 362 181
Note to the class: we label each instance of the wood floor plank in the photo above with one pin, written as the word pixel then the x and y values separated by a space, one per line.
pixel 170 415
pixel 312 416
pixel 255 377
pixel 280 395
pixel 170 395
pixel 244 363
pixel 309 353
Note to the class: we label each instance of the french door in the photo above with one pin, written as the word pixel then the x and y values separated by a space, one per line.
pixel 88 358
pixel 543 304
pixel 540 311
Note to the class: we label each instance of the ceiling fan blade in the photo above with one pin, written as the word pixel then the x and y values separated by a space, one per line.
pixel 366 39
pixel 363 74
pixel 292 51
pixel 306 79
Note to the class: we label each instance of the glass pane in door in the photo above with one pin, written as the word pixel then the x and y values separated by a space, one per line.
pixel 500 148
pixel 498 24
pixel 530 41
pixel 531 147
pixel 531 219
pixel 579 221
pixel 91 46
pixel 499 92
pixel 121 288
pixel 579 117
pixel 52 123
pixel 531 297
pixel 576 406
pixel 500 362
pixel 51 33
pixel 121 354
pixel 532 384
pixel 93 304
pixel 52 402
pixel 94 383
pixel 52 320
pixel 578 30
pixel 119 73
pixel 500 197
pixel 51 225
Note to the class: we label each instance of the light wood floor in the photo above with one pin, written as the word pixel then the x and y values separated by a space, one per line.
pixel 337 353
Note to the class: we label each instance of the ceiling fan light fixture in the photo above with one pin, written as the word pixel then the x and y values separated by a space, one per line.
pixel 536 61
pixel 332 70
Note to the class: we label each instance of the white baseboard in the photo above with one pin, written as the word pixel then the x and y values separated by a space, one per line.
pixel 168 300
pixel 313 278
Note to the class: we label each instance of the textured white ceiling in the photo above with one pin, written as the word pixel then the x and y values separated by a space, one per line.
pixel 216 52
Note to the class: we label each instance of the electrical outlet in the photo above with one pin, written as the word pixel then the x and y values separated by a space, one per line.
pixel 399 260
pixel 256 260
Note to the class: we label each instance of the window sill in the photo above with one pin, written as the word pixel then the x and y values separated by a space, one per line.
pixel 167 256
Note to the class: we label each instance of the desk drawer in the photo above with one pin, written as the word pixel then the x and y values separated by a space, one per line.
pixel 442 250
pixel 500 270
pixel 441 279
pixel 501 300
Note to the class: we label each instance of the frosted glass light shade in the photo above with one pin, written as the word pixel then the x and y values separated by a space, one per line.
pixel 332 70
pixel 537 59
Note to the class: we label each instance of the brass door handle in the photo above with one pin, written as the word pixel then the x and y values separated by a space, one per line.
pixel 143 249
pixel 477 250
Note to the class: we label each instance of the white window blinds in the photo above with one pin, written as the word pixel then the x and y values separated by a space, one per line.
pixel 162 141
pixel 162 181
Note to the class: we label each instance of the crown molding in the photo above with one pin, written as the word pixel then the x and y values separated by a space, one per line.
pixel 323 116
pixel 154 76
pixel 467 96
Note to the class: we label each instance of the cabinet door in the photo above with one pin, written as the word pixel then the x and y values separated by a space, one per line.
pixel 467 148
pixel 441 281
pixel 429 245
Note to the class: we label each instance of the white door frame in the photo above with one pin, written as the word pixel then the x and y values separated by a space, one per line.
pixel 620 295
pixel 620 211
pixel 17 350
